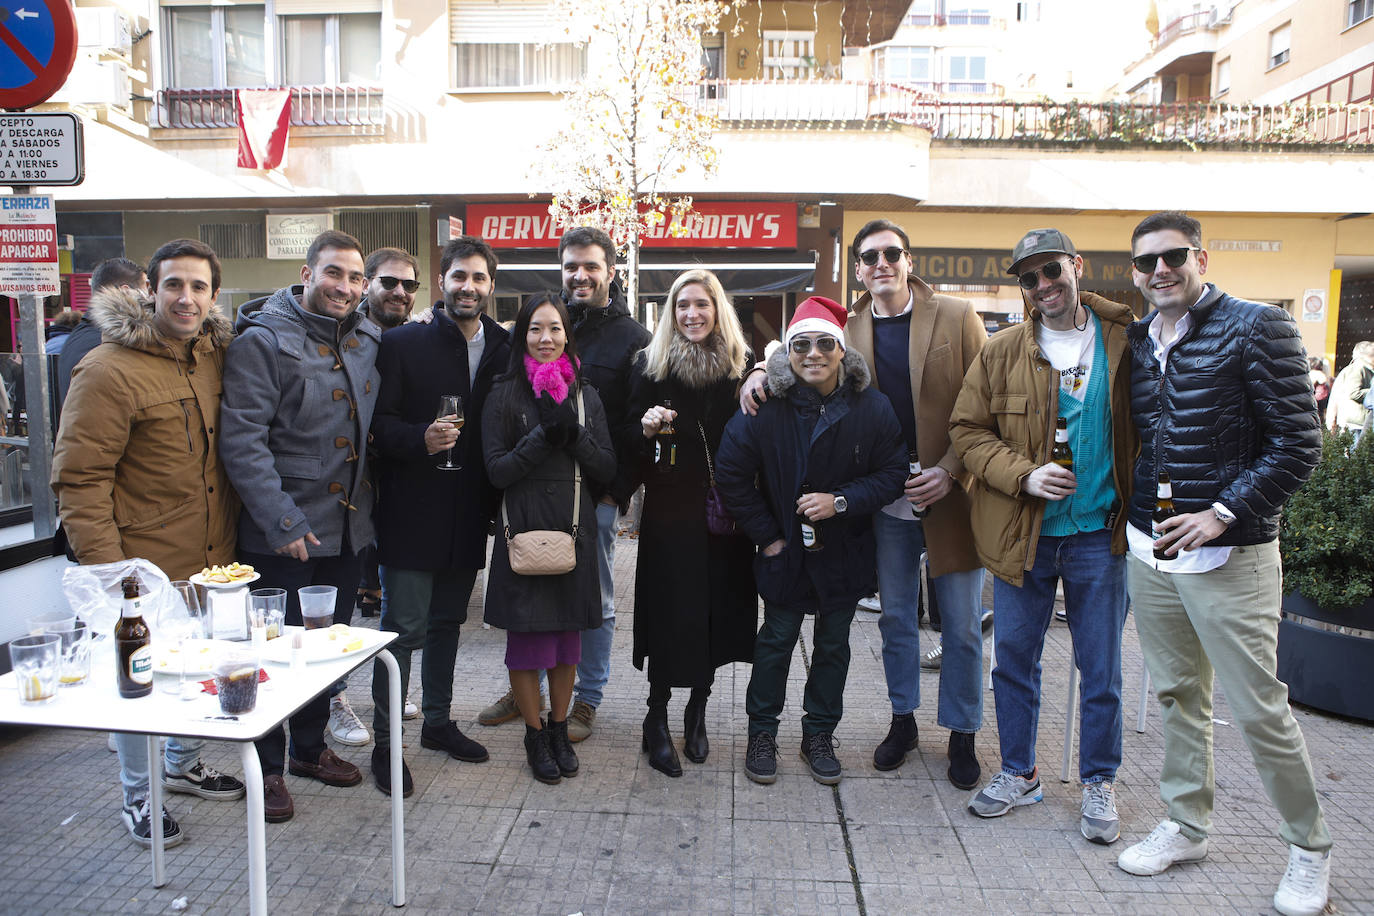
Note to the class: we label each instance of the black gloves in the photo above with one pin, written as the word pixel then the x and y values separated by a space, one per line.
pixel 559 421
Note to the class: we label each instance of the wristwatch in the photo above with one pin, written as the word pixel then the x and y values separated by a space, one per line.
pixel 841 504
pixel 1223 514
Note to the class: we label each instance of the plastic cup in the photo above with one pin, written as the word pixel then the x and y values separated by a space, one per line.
pixel 37 662
pixel 236 681
pixel 47 623
pixel 266 610
pixel 75 647
pixel 317 606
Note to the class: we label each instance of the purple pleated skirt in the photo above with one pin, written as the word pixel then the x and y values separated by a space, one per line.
pixel 541 651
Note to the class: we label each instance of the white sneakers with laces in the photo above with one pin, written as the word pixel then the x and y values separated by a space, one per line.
pixel 344 723
pixel 1303 889
pixel 1165 846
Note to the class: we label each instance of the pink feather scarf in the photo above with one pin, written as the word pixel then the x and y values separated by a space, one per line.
pixel 554 377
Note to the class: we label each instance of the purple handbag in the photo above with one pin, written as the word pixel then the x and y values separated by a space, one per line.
pixel 718 520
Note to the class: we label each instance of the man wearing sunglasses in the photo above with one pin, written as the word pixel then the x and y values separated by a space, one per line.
pixel 1038 524
pixel 919 344
pixel 432 522
pixel 391 287
pixel 1221 397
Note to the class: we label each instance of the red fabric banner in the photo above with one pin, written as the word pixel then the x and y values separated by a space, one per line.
pixel 264 119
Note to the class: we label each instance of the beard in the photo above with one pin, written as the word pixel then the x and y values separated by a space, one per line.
pixel 466 308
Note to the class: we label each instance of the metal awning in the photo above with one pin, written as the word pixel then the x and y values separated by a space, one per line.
pixel 752 272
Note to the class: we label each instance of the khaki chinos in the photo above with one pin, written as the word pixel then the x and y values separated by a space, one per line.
pixel 1223 622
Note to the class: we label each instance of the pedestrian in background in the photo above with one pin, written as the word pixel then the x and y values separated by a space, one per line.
pixel 695 600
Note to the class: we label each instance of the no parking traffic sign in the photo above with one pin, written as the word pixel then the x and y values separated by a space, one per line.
pixel 37 50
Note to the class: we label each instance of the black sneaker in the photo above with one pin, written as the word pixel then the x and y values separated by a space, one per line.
pixel 141 826
pixel 819 753
pixel 761 759
pixel 448 738
pixel 900 741
pixel 381 773
pixel 205 781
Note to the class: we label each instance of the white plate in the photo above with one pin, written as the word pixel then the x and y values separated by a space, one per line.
pixel 317 646
pixel 200 657
pixel 237 583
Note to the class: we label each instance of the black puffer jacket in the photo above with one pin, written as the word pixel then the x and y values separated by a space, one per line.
pixel 607 341
pixel 1233 420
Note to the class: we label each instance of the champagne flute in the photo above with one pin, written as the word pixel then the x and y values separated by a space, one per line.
pixel 450 411
pixel 184 620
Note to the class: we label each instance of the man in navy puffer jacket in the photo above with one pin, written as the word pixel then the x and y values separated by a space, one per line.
pixel 1220 395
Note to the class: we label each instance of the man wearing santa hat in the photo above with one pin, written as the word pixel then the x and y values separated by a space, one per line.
pixel 803 477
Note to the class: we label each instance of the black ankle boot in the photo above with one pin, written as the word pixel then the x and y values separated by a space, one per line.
pixel 540 759
pixel 561 748
pixel 658 743
pixel 695 744
pixel 900 740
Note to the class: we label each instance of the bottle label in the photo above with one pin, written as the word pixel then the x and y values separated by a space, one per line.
pixel 808 536
pixel 672 455
pixel 913 468
pixel 1061 435
pixel 141 665
pixel 133 607
pixel 1166 491
pixel 658 451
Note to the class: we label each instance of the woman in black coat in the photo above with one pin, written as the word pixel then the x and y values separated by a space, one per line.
pixel 695 603
pixel 535 443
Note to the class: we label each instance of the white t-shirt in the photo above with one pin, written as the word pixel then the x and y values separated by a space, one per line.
pixel 1071 354
pixel 475 347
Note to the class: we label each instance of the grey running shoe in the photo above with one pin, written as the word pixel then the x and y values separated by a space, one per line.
pixel 1099 822
pixel 1004 793
pixel 931 660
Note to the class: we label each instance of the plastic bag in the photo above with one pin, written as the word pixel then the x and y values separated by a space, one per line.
pixel 95 592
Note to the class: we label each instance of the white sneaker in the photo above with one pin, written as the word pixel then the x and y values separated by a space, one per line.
pixel 344 723
pixel 1164 847
pixel 1004 793
pixel 1302 892
pixel 410 710
pixel 871 604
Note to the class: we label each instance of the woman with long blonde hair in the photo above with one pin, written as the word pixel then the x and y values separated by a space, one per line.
pixel 695 603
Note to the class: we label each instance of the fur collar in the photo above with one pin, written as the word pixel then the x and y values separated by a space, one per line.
pixel 699 365
pixel 124 319
pixel 781 379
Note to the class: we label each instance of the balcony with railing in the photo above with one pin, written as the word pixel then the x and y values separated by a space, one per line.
pixel 778 103
pixel 358 108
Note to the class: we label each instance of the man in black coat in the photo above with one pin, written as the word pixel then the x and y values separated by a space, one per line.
pixel 1220 394
pixel 432 522
pixel 608 337
pixel 827 452
pixel 112 273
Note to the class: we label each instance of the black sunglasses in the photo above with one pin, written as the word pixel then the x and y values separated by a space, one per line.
pixel 801 345
pixel 893 255
pixel 1031 278
pixel 389 283
pixel 1174 257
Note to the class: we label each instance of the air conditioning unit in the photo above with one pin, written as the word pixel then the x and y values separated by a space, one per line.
pixel 95 82
pixel 104 31
pixel 1218 17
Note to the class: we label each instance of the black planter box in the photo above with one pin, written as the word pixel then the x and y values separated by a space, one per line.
pixel 1326 657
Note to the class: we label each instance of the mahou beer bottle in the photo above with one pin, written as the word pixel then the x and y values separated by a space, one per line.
pixel 1164 508
pixel 1061 454
pixel 665 443
pixel 913 467
pixel 811 535
pixel 132 650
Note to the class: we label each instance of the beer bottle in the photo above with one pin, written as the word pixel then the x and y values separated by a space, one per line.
pixel 665 443
pixel 132 650
pixel 1164 508
pixel 1061 454
pixel 811 535
pixel 913 467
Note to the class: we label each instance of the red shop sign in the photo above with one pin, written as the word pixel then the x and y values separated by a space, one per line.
pixel 712 224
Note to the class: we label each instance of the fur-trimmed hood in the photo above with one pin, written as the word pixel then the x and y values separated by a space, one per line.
pixel 123 318
pixel 854 372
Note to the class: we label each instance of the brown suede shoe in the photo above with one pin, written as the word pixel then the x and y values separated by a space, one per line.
pixel 276 801
pixel 331 770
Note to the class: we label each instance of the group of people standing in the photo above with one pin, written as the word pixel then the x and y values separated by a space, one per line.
pixel 869 437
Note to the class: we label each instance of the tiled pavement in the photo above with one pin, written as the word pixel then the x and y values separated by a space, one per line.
pixel 622 838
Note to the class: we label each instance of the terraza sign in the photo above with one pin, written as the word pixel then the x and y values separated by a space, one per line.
pixel 732 224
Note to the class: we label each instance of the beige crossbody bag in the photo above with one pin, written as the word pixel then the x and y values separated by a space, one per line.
pixel 543 552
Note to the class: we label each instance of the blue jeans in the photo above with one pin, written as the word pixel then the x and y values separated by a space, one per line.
pixel 595 668
pixel 181 755
pixel 1095 600
pixel 899 546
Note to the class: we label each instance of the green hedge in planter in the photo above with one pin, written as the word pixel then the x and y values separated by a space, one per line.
pixel 1326 534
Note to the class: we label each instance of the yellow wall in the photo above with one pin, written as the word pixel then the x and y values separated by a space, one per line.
pixel 822 17
pixel 1309 246
pixel 1355 236
pixel 1318 36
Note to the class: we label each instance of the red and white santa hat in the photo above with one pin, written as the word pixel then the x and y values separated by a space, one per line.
pixel 818 314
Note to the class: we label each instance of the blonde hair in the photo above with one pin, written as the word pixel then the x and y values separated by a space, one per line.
pixel 727 329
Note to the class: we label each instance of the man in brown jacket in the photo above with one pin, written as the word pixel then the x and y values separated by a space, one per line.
pixel 1062 377
pixel 136 470
pixel 918 345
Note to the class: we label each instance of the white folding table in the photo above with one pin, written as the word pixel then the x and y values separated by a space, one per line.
pixel 97 706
